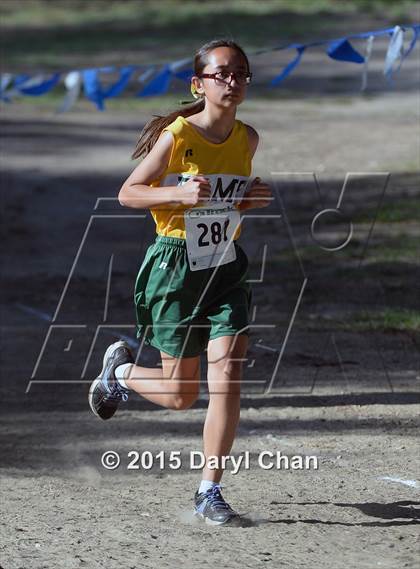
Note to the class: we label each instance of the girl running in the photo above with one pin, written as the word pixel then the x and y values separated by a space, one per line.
pixel 191 293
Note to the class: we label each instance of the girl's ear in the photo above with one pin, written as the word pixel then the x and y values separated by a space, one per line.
pixel 196 87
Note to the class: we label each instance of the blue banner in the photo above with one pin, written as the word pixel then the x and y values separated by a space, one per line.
pixel 158 82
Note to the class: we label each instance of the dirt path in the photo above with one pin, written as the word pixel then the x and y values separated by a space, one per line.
pixel 359 509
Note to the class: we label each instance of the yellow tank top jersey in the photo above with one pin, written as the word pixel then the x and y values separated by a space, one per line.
pixel 227 165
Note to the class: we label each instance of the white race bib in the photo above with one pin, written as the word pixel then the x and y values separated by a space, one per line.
pixel 209 234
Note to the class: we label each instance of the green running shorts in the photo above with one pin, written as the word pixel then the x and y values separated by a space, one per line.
pixel 178 310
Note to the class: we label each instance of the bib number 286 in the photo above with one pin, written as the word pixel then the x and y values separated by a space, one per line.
pixel 218 232
pixel 209 236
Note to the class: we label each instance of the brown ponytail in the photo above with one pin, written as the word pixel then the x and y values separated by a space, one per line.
pixel 153 128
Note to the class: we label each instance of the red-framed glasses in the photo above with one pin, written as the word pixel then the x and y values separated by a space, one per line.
pixel 225 77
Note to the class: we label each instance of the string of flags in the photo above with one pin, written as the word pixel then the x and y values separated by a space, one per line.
pixel 156 79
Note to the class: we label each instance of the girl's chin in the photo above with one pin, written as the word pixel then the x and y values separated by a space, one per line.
pixel 231 100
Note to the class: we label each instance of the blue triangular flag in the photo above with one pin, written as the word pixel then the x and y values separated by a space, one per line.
pixel 289 67
pixel 117 88
pixel 159 85
pixel 43 87
pixel 92 87
pixel 342 50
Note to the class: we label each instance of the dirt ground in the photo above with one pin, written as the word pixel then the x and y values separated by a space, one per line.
pixel 358 509
pixel 340 387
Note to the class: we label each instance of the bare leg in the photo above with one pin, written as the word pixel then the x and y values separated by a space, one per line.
pixel 224 377
pixel 175 386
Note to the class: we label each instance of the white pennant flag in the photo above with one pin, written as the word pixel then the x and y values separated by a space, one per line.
pixel 72 82
pixel 5 80
pixel 395 51
pixel 369 46
pixel 179 64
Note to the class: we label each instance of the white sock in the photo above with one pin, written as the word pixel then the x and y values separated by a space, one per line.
pixel 120 374
pixel 206 485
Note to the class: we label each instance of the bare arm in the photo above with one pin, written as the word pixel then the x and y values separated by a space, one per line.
pixel 136 191
pixel 253 140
